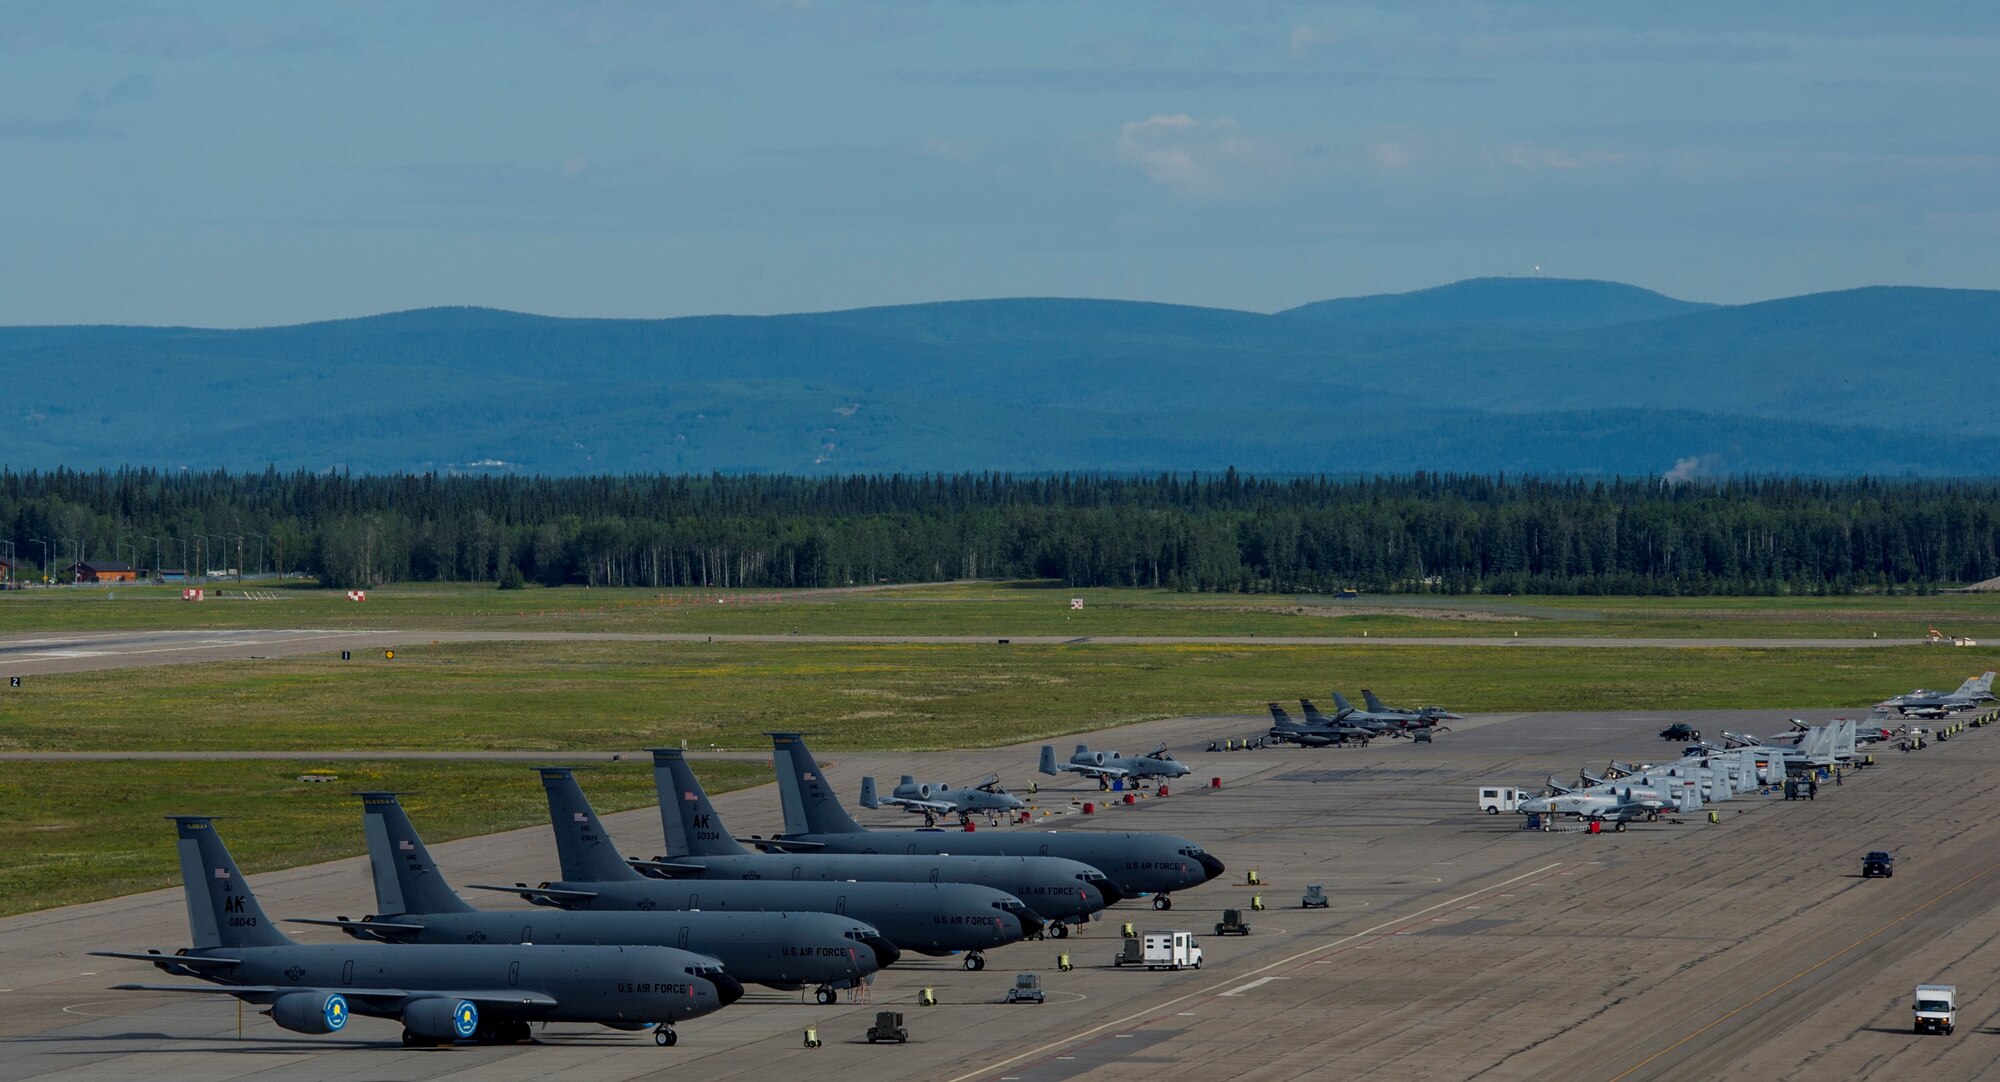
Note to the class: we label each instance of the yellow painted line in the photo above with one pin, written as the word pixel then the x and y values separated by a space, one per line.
pixel 1322 949
pixel 1809 969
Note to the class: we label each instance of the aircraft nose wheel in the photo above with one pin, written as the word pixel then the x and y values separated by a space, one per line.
pixel 826 995
pixel 664 1036
pixel 975 961
pixel 1161 901
pixel 1059 930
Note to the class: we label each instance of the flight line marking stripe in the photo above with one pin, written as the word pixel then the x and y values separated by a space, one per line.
pixel 1155 1010
pixel 1816 965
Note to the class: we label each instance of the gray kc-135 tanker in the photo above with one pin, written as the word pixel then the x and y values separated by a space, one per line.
pixel 929 918
pixel 442 994
pixel 414 904
pixel 1136 864
pixel 1061 891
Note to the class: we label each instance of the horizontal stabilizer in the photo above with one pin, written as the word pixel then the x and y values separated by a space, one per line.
pixel 553 894
pixel 666 866
pixel 188 960
pixel 783 845
pixel 359 925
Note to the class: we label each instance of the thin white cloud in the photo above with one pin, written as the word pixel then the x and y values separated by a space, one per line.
pixel 1200 159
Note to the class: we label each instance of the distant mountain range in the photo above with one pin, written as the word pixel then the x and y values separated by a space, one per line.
pixel 1523 375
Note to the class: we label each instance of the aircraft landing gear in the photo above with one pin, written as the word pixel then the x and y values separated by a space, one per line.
pixel 664 1035
pixel 1161 901
pixel 826 994
pixel 504 1033
pixel 1059 929
pixel 975 961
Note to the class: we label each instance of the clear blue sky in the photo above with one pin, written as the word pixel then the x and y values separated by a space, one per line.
pixel 232 164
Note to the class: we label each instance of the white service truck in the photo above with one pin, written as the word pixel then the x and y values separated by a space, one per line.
pixel 1936 1008
pixel 1171 950
pixel 1494 799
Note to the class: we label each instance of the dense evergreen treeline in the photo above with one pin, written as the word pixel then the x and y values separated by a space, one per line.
pixel 1215 533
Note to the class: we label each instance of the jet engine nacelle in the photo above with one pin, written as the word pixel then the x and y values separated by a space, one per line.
pixel 1097 758
pixel 924 790
pixel 442 1019
pixel 310 1012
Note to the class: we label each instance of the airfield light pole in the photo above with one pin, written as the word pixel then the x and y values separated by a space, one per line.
pixel 261 538
pixel 156 552
pixel 10 559
pixel 239 556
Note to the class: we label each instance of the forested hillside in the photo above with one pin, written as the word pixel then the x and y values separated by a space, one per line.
pixel 1204 533
pixel 1528 375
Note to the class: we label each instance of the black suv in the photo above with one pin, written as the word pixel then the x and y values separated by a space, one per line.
pixel 1680 730
pixel 1878 863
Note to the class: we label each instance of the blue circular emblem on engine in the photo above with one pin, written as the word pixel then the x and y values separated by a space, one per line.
pixel 335 1012
pixel 465 1019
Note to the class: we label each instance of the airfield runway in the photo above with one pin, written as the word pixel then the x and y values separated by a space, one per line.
pixel 1457 946
pixel 87 651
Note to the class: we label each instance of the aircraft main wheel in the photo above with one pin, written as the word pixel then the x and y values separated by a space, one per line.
pixel 826 995
pixel 1619 827
pixel 1161 901
pixel 975 961
pixel 665 1037
pixel 1059 929
pixel 1652 817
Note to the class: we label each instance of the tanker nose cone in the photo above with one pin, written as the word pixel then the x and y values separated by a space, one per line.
pixel 1031 922
pixel 1112 895
pixel 727 988
pixel 886 952
pixel 1211 865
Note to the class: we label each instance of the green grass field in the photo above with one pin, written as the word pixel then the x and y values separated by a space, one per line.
pixel 617 696
pixel 78 831
pixel 995 609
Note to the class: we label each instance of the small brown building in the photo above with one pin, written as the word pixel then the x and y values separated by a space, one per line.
pixel 102 571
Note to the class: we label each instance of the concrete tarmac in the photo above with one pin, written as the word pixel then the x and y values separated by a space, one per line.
pixel 1457 945
pixel 33 654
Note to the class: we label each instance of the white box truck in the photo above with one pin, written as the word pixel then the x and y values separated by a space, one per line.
pixel 1171 950
pixel 1936 1008
pixel 1494 799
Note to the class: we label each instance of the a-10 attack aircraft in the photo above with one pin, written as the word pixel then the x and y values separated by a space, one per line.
pixel 933 799
pixel 442 994
pixel 1060 891
pixel 1107 766
pixel 1136 864
pixel 1318 731
pixel 929 918
pixel 1615 806
pixel 414 904
pixel 1922 703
